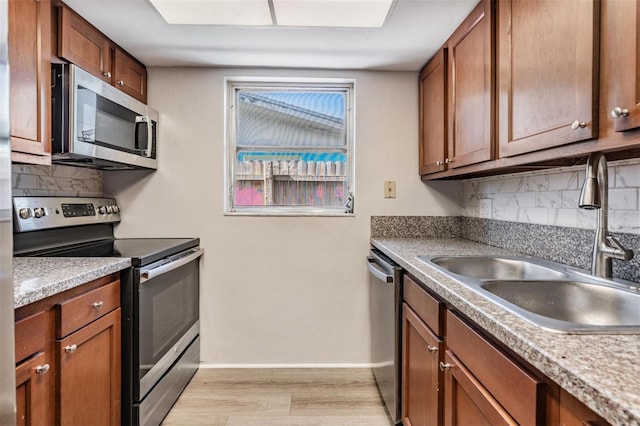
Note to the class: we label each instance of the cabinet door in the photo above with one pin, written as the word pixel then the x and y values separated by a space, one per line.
pixel 130 76
pixel 89 374
pixel 82 44
pixel 471 89
pixel 622 68
pixel 421 377
pixel 466 401
pixel 433 114
pixel 548 73
pixel 31 391
pixel 30 78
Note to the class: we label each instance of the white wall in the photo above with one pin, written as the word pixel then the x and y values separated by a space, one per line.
pixel 277 290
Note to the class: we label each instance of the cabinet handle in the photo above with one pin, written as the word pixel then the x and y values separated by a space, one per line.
pixel 70 349
pixel 98 305
pixel 576 124
pixel 432 348
pixel 618 112
pixel 448 160
pixel 438 163
pixel 121 82
pixel 41 369
pixel 107 74
pixel 445 366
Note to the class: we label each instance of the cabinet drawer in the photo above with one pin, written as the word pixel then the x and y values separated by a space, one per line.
pixel 527 406
pixel 79 311
pixel 31 335
pixel 428 308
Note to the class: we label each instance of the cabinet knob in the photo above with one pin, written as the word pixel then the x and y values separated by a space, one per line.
pixel 445 366
pixel 107 74
pixel 438 163
pixel 448 160
pixel 121 82
pixel 41 369
pixel 70 349
pixel 618 112
pixel 432 348
pixel 98 305
pixel 576 124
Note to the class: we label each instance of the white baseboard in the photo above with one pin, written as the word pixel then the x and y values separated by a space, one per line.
pixel 330 365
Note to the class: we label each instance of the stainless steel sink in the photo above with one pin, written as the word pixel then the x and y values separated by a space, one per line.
pixel 587 305
pixel 497 268
pixel 550 295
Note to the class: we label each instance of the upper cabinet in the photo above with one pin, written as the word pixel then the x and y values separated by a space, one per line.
pixel 30 81
pixel 622 67
pixel 81 43
pixel 433 117
pixel 548 73
pixel 471 89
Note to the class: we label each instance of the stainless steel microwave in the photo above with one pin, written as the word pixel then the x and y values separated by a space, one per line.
pixel 96 125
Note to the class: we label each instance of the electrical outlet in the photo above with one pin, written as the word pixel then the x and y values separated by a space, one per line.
pixel 390 189
pixel 485 208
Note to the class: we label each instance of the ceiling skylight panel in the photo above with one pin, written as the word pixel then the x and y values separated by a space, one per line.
pixel 215 12
pixel 332 13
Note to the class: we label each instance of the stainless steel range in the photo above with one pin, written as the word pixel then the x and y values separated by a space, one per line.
pixel 160 294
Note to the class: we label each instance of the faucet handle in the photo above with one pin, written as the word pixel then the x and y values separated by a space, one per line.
pixel 620 252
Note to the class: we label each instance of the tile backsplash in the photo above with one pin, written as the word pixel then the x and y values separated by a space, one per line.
pixel 550 197
pixel 64 181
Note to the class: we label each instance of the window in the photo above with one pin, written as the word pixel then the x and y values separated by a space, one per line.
pixel 289 147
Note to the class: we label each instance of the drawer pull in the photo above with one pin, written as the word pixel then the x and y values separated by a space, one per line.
pixel 41 369
pixel 432 348
pixel 72 348
pixel 618 112
pixel 98 305
pixel 445 366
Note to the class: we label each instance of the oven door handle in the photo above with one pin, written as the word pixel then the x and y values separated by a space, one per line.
pixel 147 274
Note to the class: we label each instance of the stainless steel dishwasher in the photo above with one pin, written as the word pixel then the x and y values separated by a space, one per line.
pixel 385 292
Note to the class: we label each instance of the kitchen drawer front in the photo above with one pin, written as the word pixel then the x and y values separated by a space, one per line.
pixel 429 309
pixel 498 373
pixel 31 335
pixel 79 311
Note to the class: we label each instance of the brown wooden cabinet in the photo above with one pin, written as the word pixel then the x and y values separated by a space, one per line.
pixel 68 355
pixel 482 379
pixel 471 88
pixel 30 80
pixel 31 390
pixel 548 73
pixel 422 351
pixel 433 114
pixel 82 44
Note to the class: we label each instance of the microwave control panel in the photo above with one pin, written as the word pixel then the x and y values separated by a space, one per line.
pixel 37 213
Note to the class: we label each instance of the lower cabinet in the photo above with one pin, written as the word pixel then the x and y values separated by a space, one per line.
pixel 453 374
pixel 31 391
pixel 89 373
pixel 68 357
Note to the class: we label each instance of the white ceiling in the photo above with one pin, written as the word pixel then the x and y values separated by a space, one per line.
pixel 413 33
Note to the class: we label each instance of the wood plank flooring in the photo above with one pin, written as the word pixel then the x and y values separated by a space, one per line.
pixel 280 397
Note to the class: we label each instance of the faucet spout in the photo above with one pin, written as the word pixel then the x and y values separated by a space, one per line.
pixel 594 195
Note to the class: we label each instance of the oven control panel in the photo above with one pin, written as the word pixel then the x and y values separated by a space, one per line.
pixel 37 213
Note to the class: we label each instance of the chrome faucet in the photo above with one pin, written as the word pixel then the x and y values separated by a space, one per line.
pixel 594 195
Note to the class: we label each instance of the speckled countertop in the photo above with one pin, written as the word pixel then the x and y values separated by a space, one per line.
pixel 602 371
pixel 35 278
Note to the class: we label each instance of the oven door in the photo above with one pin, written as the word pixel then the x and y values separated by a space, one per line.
pixel 167 316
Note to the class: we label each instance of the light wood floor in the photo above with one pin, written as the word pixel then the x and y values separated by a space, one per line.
pixel 280 397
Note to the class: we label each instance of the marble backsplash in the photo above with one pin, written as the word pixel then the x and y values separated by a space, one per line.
pixel 550 197
pixel 62 181
pixel 568 245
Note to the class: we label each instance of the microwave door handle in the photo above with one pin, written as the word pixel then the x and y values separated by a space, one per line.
pixel 142 120
pixel 147 274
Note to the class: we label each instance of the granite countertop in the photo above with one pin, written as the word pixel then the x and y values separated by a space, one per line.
pixel 35 278
pixel 602 371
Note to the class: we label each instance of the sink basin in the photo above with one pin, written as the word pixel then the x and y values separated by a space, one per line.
pixel 496 268
pixel 585 305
